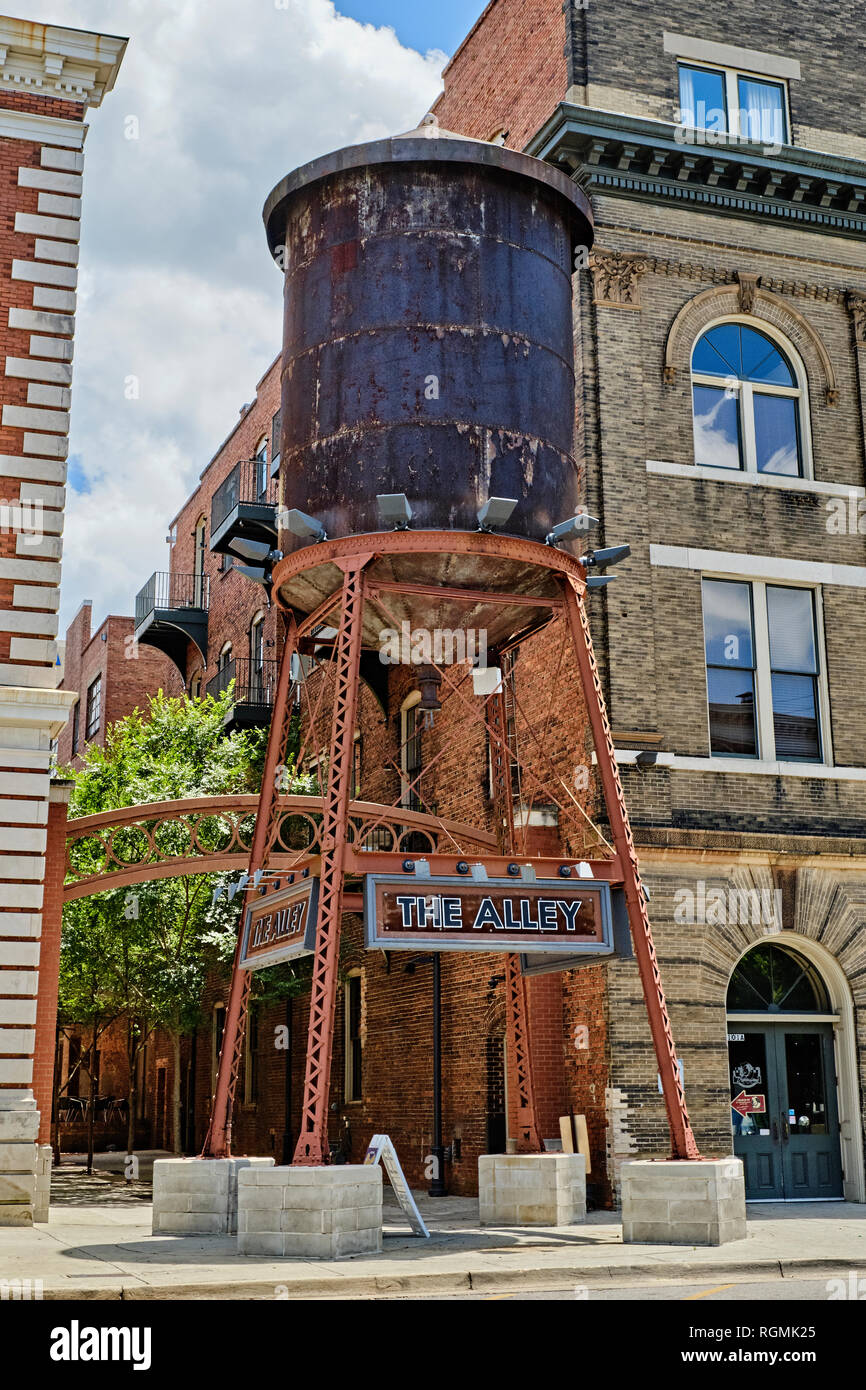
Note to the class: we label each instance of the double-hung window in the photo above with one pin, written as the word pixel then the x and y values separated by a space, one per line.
pixel 748 403
pixel 739 105
pixel 93 716
pixel 764 678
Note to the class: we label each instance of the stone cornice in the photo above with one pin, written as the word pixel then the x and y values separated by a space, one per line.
pixel 635 157
pixel 67 64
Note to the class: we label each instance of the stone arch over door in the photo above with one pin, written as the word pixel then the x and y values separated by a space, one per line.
pixel 847 1050
pixel 747 298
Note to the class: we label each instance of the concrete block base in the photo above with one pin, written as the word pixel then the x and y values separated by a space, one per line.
pixel 44 1160
pixel 677 1202
pixel 532 1189
pixel 313 1213
pixel 199 1196
pixel 19 1127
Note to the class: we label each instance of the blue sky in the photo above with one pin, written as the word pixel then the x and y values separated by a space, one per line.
pixel 421 24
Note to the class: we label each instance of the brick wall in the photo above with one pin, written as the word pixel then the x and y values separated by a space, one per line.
pixel 508 74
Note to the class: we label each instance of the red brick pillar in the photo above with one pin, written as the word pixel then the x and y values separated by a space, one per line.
pixel 49 956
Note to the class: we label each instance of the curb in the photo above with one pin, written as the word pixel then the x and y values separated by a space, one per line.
pixel 387 1285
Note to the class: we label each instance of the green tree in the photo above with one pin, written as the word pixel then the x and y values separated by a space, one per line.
pixel 143 954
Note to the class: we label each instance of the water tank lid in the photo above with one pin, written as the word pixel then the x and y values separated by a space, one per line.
pixel 427 145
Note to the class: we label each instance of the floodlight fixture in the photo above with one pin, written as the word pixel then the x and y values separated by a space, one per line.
pixel 601 559
pixel 394 509
pixel 256 575
pixel 527 873
pixel 584 870
pixel 303 526
pixel 257 877
pixel 648 757
pixel 577 525
pixel 496 512
pixel 256 552
pixel 599 581
pixel 217 894
pixel 487 680
pixel 478 872
pixel 422 868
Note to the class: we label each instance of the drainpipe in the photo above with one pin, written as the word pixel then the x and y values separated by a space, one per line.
pixel 437 1185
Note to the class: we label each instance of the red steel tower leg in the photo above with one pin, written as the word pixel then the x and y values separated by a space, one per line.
pixel 528 1129
pixel 683 1141
pixel 312 1147
pixel 218 1142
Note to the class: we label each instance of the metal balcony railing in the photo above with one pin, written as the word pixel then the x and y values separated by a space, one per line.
pixel 172 591
pixel 255 681
pixel 248 483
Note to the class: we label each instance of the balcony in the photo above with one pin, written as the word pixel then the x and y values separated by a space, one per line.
pixel 255 684
pixel 244 505
pixel 170 612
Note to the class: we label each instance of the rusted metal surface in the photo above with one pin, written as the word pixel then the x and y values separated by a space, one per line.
pixel 427 343
pixel 683 1142
pixel 139 844
pixel 312 1147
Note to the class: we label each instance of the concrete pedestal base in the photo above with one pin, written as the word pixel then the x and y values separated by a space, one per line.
pixel 19 1126
pixel 44 1160
pixel 317 1213
pixel 199 1196
pixel 532 1189
pixel 683 1203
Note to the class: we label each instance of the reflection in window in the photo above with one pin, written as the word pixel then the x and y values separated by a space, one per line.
pixel 794 665
pixel 746 403
pixel 773 978
pixel 730 655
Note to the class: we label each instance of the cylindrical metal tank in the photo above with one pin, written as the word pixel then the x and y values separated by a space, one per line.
pixel 428 341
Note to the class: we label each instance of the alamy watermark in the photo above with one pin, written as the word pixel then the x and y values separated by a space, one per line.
pixel 424 646
pixel 734 907
pixel 24 517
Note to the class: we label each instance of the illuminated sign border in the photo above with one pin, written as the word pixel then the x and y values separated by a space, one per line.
pixel 304 946
pixel 433 940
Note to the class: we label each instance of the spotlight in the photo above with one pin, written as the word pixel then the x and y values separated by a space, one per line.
pixel 584 870
pixel 217 894
pixel 599 581
pixel 648 758
pixel 394 509
pixel 422 868
pixel 478 872
pixel 408 866
pixel 600 559
pixel 496 512
pixel 257 877
pixel 528 874
pixel 462 867
pixel 576 525
pixel 299 524
pixel 257 552
pixel 513 870
pixel 565 871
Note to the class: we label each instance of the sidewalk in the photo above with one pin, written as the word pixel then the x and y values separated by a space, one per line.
pixel 98 1245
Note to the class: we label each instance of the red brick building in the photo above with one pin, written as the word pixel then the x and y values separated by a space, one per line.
pixel 111 674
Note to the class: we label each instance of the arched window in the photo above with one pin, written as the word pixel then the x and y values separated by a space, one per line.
pixel 198 562
pixel 195 686
pixel 749 401
pixel 775 979
pixel 257 657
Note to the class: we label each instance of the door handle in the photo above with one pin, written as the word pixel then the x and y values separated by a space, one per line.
pixel 786 1133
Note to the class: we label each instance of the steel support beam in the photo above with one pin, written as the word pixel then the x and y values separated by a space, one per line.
pixel 312 1147
pixel 683 1141
pixel 519 1044
pixel 218 1142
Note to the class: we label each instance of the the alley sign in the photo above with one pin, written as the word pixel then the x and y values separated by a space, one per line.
pixel 454 914
pixel 282 926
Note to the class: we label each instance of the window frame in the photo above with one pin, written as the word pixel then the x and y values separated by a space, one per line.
pixel 745 392
pixel 763 672
pixel 732 78
pixel 76 726
pixel 406 795
pixel 91 728
pixel 350 1042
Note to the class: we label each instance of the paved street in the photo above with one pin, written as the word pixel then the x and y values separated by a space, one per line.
pixel 98 1244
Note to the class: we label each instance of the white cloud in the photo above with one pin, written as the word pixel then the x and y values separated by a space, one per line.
pixel 177 285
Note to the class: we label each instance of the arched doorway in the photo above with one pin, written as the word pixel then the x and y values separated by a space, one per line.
pixel 784 1107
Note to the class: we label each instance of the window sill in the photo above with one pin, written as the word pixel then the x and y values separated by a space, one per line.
pixel 734 475
pixel 745 766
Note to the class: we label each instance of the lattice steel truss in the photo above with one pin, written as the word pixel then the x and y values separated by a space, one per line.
pixel 367 579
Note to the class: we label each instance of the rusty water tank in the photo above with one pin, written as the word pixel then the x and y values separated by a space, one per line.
pixel 428 344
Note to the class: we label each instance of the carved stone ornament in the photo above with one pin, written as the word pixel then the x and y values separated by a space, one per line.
pixel 748 290
pixel 857 307
pixel 616 279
